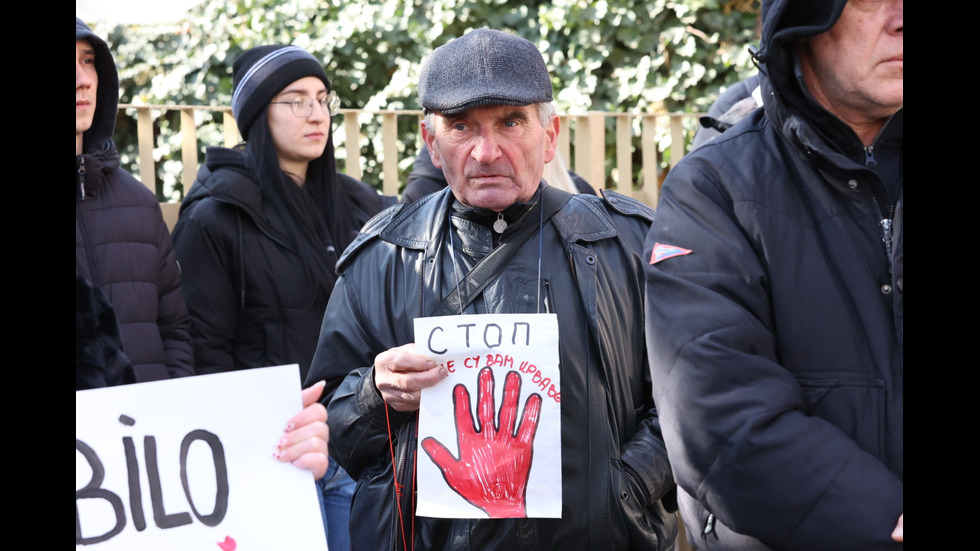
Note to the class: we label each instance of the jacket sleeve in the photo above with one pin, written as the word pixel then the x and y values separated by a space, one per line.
pixel 173 319
pixel 349 340
pixel 646 454
pixel 643 452
pixel 205 238
pixel 734 419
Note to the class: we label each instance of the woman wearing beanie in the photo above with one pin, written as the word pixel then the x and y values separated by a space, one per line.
pixel 264 224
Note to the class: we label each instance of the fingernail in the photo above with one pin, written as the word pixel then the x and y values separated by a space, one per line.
pixel 289 427
pixel 443 372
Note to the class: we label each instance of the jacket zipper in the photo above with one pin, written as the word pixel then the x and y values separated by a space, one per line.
pixel 571 263
pixel 81 177
pixel 547 297
pixel 885 223
pixel 403 454
pixel 401 477
pixel 422 286
pixel 94 273
pixel 887 214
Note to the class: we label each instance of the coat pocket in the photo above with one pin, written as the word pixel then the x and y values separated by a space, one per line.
pixel 648 525
pixel 373 509
pixel 852 403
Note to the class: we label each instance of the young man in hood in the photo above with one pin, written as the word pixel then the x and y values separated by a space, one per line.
pixel 775 298
pixel 122 244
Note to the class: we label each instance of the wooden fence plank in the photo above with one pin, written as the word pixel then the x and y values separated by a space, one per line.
pixel 651 163
pixel 624 155
pixel 389 139
pixel 188 144
pixel 352 135
pixel 144 133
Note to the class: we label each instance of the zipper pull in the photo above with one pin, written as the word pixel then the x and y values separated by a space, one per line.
pixel 886 238
pixel 81 177
pixel 886 233
pixel 869 156
pixel 709 525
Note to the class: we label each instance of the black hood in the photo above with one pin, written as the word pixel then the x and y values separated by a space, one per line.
pixel 784 23
pixel 99 138
pixel 225 175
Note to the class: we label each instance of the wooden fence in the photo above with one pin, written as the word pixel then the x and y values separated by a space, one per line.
pixel 582 142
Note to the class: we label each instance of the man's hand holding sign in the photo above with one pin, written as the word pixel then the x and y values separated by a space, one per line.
pixel 400 375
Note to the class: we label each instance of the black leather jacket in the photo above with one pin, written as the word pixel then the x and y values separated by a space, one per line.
pixel 614 465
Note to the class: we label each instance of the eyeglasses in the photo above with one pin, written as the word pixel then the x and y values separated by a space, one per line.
pixel 302 106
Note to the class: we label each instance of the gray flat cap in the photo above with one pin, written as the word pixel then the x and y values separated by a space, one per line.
pixel 483 67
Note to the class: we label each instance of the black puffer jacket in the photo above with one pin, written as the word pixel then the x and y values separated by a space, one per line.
pixel 99 358
pixel 614 469
pixel 775 319
pixel 122 244
pixel 252 302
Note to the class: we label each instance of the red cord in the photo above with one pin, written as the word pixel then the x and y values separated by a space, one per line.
pixel 398 487
pixel 415 480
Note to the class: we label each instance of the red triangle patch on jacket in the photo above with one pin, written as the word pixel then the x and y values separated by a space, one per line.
pixel 663 252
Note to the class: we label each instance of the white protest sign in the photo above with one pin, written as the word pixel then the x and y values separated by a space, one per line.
pixel 188 464
pixel 490 433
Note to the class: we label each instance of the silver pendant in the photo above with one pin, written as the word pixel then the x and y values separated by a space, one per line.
pixel 499 225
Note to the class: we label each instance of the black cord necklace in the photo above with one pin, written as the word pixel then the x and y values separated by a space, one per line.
pixel 499 226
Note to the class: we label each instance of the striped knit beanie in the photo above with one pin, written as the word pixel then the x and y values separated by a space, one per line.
pixel 262 72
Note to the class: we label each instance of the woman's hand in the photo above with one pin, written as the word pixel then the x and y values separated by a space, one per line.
pixel 304 443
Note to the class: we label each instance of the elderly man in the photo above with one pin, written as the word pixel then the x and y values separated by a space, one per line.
pixel 775 295
pixel 490 126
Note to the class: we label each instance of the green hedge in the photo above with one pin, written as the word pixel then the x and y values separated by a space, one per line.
pixel 613 55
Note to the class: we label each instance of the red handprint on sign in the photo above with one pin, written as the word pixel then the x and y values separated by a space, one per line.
pixel 494 461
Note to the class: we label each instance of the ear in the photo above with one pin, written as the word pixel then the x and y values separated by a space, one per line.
pixel 551 138
pixel 429 138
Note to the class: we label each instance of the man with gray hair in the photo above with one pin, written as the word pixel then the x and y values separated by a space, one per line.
pixel 497 240
pixel 776 295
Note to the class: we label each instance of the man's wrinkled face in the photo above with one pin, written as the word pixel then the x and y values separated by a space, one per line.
pixel 86 86
pixel 856 69
pixel 494 155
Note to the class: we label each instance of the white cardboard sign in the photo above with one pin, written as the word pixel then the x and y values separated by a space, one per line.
pixel 490 433
pixel 188 464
